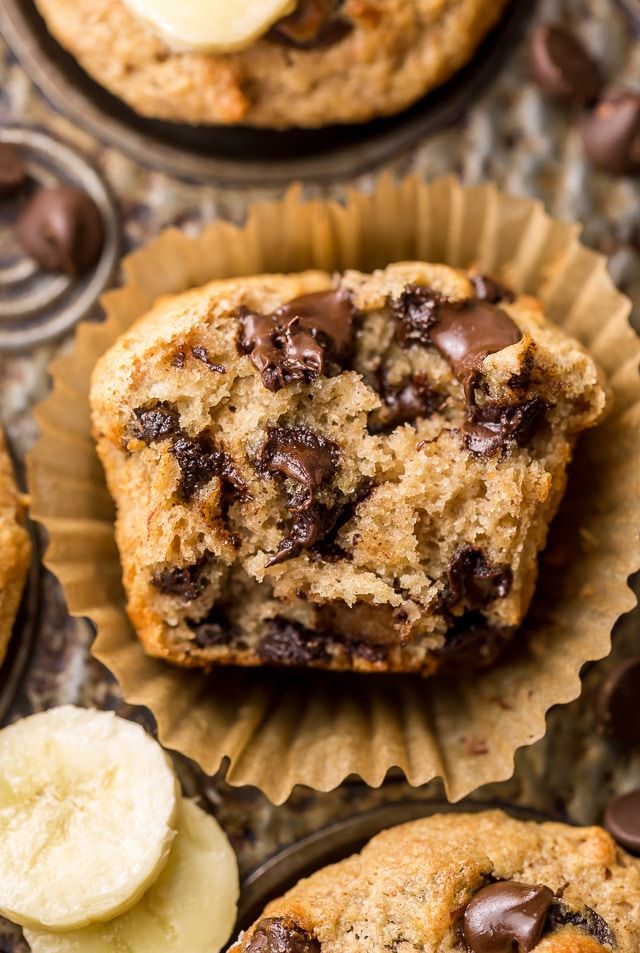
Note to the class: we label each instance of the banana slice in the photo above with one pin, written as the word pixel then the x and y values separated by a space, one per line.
pixel 210 25
pixel 191 908
pixel 87 804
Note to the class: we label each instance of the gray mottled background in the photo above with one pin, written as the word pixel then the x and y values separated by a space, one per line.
pixel 528 147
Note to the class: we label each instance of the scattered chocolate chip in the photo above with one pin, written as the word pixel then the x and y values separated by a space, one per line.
pixel 492 426
pixel 617 709
pixel 611 133
pixel 490 289
pixel 404 403
pixel 622 820
pixel 157 420
pixel 199 461
pixel 13 172
pixel 201 354
pixel 185 582
pixel 506 917
pixel 561 66
pixel 296 342
pixel 302 455
pixel 290 643
pixel 464 332
pixel 308 526
pixel 585 920
pixel 327 548
pixel 61 229
pixel 313 25
pixel 214 630
pixel 178 359
pixel 470 642
pixel 369 651
pixel 473 581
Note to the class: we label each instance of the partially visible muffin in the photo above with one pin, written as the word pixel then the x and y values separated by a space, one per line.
pixel 342 472
pixel 15 549
pixel 481 883
pixel 332 61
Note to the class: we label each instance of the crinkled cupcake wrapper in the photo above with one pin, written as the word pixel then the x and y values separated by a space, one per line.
pixel 282 728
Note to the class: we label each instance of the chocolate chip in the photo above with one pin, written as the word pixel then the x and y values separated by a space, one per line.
pixel 369 651
pixel 473 581
pixel 185 582
pixel 178 359
pixel 13 172
pixel 61 228
pixel 214 630
pixel 301 455
pixel 617 709
pixel 306 529
pixel 611 133
pixel 290 643
pixel 506 917
pixel 297 341
pixel 470 642
pixel 404 403
pixel 201 354
pixel 464 332
pixel 199 461
pixel 490 289
pixel 157 420
pixel 492 426
pixel 586 920
pixel 313 25
pixel 561 66
pixel 622 820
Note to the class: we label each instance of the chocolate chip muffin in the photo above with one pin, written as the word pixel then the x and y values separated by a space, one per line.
pixel 15 549
pixel 326 61
pixel 347 472
pixel 483 883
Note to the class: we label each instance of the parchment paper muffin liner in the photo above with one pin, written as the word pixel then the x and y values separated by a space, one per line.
pixel 281 728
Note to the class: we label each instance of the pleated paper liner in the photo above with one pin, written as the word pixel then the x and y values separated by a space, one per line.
pixel 282 728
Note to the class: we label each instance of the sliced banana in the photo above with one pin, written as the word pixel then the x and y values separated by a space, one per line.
pixel 191 908
pixel 210 25
pixel 87 809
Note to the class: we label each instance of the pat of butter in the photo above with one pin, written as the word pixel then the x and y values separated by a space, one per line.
pixel 219 26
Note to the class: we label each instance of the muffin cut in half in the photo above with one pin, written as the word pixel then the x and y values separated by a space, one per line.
pixel 15 549
pixel 481 883
pixel 344 472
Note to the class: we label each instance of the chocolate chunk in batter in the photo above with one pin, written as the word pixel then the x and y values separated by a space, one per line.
pixel 490 289
pixel 464 332
pixel 506 917
pixel 313 24
pixel 299 340
pixel 492 426
pixel 474 582
pixel 471 642
pixel 199 461
pixel 157 420
pixel 308 527
pixel 201 354
pixel 214 630
pixel 586 920
pixel 186 582
pixel 290 643
pixel 404 403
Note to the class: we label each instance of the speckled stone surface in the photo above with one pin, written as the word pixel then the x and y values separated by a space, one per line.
pixel 528 147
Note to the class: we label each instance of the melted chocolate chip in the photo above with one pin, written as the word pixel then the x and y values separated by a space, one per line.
pixel 490 289
pixel 470 642
pixel 313 25
pixel 290 643
pixel 506 917
pixel 473 581
pixel 308 527
pixel 622 820
pixel 201 354
pixel 561 66
pixel 13 172
pixel 214 630
pixel 492 426
pixel 61 229
pixel 157 420
pixel 186 582
pixel 611 133
pixel 199 461
pixel 296 342
pixel 617 711
pixel 464 332
pixel 404 404
pixel 586 920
